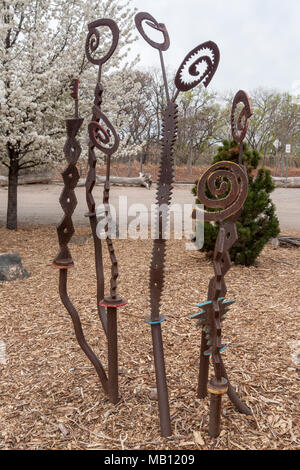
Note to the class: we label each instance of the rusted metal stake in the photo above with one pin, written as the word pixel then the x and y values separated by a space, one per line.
pixel 233 396
pixel 103 137
pixel 216 388
pixel 112 347
pixel 204 369
pixel 161 381
pixel 214 415
pixel 163 196
pixel 99 272
pixel 63 274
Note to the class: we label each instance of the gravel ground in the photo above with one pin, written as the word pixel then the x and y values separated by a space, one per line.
pixel 50 394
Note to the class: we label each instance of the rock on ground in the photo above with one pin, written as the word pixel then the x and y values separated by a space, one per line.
pixel 11 267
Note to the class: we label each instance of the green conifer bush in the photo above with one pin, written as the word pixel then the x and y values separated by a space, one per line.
pixel 258 222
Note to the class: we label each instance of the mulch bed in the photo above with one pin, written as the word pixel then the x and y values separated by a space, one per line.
pixel 50 396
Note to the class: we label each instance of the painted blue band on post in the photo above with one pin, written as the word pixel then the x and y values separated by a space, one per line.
pixel 196 315
pixel 229 302
pixel 209 302
pixel 204 304
pixel 158 322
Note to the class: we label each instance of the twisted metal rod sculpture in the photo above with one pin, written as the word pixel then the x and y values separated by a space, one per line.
pixel 103 136
pixel 65 230
pixel 101 133
pixel 187 77
pixel 227 186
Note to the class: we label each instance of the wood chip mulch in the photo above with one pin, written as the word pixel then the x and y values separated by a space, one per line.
pixel 50 396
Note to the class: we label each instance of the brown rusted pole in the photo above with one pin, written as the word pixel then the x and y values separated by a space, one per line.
pixel 165 186
pixel 65 230
pixel 112 347
pixel 161 381
pixel 163 197
pixel 103 136
pixel 216 388
pixel 204 369
pixel 215 415
pixel 63 274
pixel 99 272
pixel 99 138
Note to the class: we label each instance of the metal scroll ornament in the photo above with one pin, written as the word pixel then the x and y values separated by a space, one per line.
pixel 227 186
pixel 190 74
pixel 240 123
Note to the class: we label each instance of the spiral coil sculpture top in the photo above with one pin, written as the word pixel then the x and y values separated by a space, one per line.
pixel 239 126
pixel 93 41
pixel 223 179
pixel 143 16
pixel 189 76
pixel 100 137
pixel 227 182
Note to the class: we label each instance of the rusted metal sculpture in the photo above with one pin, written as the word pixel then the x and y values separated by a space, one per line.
pixel 68 201
pixel 223 188
pixel 227 184
pixel 65 231
pixel 187 77
pixel 102 136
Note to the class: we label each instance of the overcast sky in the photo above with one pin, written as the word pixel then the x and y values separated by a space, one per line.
pixel 259 40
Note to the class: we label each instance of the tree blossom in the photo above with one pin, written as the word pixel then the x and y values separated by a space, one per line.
pixel 42 50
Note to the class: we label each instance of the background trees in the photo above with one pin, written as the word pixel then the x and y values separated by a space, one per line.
pixel 204 122
pixel 41 50
pixel 276 118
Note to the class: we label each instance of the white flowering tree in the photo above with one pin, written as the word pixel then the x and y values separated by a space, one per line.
pixel 42 50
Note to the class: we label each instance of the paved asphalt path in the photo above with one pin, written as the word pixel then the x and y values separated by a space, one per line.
pixel 38 204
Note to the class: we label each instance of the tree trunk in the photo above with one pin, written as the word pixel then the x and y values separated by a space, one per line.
pixel 141 180
pixel 141 162
pixel 129 167
pixel 12 206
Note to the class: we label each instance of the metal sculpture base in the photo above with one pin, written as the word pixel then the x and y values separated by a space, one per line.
pixel 217 390
pixel 112 344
